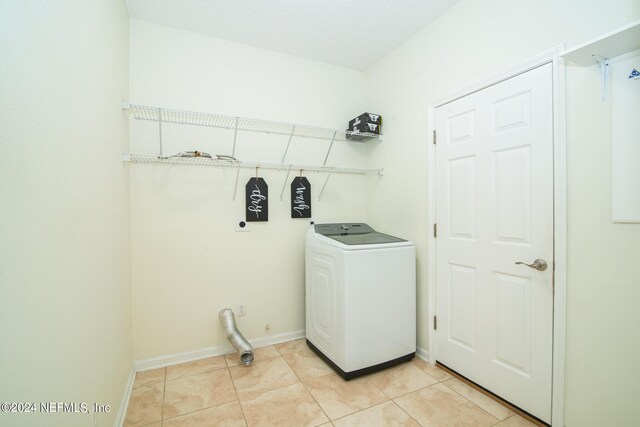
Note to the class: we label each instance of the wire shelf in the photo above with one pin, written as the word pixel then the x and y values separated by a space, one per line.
pixel 166 115
pixel 203 161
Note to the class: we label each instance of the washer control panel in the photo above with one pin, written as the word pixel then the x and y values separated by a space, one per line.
pixel 343 229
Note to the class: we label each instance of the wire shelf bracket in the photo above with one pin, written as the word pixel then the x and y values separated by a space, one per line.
pixel 603 63
pixel 284 184
pixel 235 186
pixel 324 186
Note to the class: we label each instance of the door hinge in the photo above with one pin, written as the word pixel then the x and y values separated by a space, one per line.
pixel 435 230
pixel 435 323
pixel 434 136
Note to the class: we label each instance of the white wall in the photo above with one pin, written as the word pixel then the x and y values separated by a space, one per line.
pixel 469 42
pixel 65 291
pixel 188 262
pixel 604 273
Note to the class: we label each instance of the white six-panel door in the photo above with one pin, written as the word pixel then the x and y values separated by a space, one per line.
pixel 494 207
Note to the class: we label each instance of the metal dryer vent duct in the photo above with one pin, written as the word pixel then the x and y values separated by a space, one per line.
pixel 242 346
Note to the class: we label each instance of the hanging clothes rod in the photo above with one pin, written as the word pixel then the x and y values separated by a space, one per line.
pixel 205 161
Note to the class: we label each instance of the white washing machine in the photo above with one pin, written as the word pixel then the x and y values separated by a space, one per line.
pixel 360 297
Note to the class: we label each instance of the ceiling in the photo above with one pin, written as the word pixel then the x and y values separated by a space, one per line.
pixel 350 33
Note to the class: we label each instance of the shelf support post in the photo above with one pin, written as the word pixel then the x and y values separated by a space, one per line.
pixel 235 188
pixel 324 186
pixel 235 135
pixel 333 138
pixel 160 129
pixel 293 129
pixel 284 186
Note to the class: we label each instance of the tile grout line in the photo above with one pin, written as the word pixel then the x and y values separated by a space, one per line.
pixel 164 393
pixel 198 373
pixel 244 417
pixel 359 410
pixel 304 385
pixel 139 386
pixel 402 409
pixel 413 391
pixel 228 368
pixel 476 405
pixel 197 410
pixel 402 395
pixel 389 398
pixel 378 388
pixel 207 407
pixel 508 418
pixel 498 400
pixel 408 414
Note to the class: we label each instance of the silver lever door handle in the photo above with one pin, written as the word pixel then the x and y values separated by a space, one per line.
pixel 539 264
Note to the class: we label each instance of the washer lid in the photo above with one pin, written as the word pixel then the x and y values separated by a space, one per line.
pixel 355 234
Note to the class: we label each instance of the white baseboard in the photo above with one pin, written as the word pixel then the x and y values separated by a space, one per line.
pixel 124 402
pixel 174 359
pixel 277 339
pixel 422 354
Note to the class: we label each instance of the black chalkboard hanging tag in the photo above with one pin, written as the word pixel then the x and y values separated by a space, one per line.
pixel 300 197
pixel 257 200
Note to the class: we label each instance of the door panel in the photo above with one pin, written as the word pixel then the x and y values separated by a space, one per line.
pixel 462 306
pixel 512 112
pixel 462 197
pixel 494 207
pixel 512 189
pixel 513 318
pixel 462 127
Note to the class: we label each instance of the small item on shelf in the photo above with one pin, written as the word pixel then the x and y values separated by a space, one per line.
pixel 190 154
pixel 226 158
pixel 365 126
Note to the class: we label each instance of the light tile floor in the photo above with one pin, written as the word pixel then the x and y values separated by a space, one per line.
pixel 288 385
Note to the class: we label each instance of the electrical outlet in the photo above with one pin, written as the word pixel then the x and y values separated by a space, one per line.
pixel 242 310
pixel 242 225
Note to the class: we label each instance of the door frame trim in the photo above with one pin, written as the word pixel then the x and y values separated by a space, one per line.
pixel 559 212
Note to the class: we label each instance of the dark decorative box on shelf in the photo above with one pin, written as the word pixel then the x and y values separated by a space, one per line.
pixel 365 126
